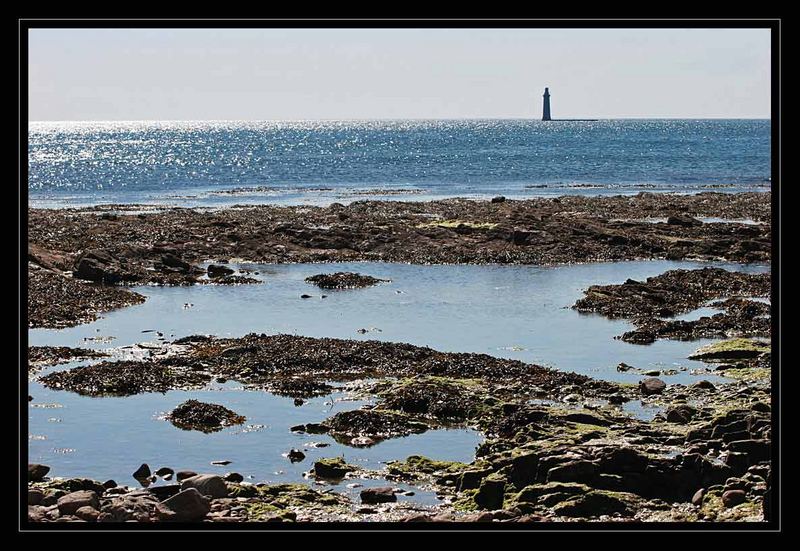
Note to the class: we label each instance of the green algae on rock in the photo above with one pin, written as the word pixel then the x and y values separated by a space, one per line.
pixel 734 349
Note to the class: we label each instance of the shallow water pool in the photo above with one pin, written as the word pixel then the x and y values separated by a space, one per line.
pixel 521 312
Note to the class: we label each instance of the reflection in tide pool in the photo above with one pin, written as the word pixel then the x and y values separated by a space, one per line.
pixel 126 432
pixel 520 312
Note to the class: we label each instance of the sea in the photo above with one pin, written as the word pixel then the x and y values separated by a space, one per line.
pixel 219 163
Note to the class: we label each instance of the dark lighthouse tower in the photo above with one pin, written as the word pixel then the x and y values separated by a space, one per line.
pixel 546 107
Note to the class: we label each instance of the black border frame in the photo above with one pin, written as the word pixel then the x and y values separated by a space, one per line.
pixel 774 525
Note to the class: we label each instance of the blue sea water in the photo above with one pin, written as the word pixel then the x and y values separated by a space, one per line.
pixel 319 162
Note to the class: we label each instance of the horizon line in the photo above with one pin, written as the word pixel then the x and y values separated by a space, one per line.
pixel 531 119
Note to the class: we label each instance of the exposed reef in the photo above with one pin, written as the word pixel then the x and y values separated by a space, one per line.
pixel 650 304
pixel 166 246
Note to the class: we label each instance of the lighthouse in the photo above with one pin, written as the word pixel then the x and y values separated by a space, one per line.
pixel 546 106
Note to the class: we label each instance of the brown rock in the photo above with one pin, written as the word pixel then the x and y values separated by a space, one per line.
pixel 188 505
pixel 87 513
pixel 384 494
pixel 37 472
pixel 207 484
pixel 70 503
pixel 652 385
pixel 732 498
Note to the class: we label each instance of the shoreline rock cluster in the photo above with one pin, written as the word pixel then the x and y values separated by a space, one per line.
pixel 651 304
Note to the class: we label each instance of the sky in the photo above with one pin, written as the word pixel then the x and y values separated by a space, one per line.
pixel 282 74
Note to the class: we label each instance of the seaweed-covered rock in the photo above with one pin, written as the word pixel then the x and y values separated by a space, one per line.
pixel 491 492
pixel 677 291
pixel 373 423
pixel 300 387
pixel 40 356
pixel 56 301
pixel 344 280
pixel 671 293
pixel 332 468
pixel 735 349
pixel 123 378
pixel 593 504
pixel 205 417
pixel 445 400
pixel 681 414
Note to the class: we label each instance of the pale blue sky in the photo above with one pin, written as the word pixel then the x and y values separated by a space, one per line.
pixel 261 74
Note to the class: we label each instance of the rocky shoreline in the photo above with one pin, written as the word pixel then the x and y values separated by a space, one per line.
pixel 560 447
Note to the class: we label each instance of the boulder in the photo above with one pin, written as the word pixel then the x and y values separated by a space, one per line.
pixel 164 492
pixel 182 475
pixel 652 385
pixel 573 471
pixel 683 220
pixel 173 261
pixel 295 455
pixel 332 468
pixel 140 506
pixel 732 498
pixel 99 267
pixel 491 493
pixel 207 484
pixel 215 271
pixel 681 414
pixel 142 472
pixel 592 504
pixel 37 472
pixel 87 513
pixel 233 477
pixel 35 496
pixel 383 494
pixel 188 505
pixel 756 450
pixel 70 503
